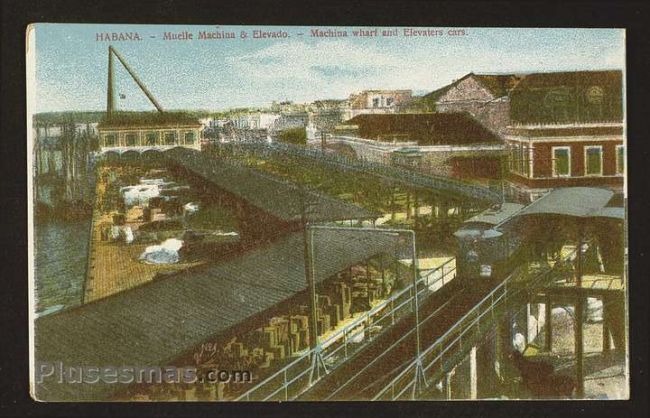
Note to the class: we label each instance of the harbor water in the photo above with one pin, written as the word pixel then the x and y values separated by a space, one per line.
pixel 60 263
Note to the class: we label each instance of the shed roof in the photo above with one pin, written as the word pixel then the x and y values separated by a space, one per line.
pixel 153 324
pixel 281 198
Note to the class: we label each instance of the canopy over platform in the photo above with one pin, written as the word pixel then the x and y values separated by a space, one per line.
pixel 282 199
pixel 154 324
pixel 581 202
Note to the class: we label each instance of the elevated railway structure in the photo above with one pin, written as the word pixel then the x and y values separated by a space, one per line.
pixel 392 174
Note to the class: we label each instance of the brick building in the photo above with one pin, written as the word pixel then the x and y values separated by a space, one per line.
pixel 566 130
pixel 484 96
pixel 562 128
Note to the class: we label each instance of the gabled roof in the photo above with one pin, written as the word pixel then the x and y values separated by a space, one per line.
pixel 497 84
pixel 154 324
pixel 426 128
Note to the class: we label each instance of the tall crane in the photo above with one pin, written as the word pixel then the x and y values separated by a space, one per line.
pixel 110 99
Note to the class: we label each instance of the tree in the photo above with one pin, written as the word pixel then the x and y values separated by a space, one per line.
pixel 296 136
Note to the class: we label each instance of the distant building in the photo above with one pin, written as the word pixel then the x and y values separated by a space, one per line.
pixel 376 102
pixel 324 116
pixel 290 120
pixel 143 130
pixel 452 144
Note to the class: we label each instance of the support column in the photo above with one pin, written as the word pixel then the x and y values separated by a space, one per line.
pixel 607 342
pixel 448 376
pixel 579 347
pixel 473 374
pixel 408 205
pixel 548 325
pixel 416 208
pixel 503 342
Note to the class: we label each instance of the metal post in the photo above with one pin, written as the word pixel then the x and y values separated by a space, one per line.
pixel 420 379
pixel 448 394
pixel 317 359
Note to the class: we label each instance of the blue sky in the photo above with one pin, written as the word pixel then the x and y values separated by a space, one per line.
pixel 71 66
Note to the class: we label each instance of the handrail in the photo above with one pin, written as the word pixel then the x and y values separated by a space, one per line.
pixel 454 328
pixel 396 173
pixel 344 332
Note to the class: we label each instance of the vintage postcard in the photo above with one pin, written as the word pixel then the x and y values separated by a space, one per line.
pixel 287 213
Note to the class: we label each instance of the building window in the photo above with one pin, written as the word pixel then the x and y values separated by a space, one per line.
pixel 131 140
pixel 520 160
pixel 109 140
pixel 389 101
pixel 189 138
pixel 594 160
pixel 375 102
pixel 561 161
pixel 170 138
pixel 151 138
pixel 620 159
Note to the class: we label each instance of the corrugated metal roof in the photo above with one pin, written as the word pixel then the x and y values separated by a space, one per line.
pixel 282 199
pixel 155 323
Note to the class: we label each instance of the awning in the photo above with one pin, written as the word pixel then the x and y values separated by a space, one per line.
pixel 581 202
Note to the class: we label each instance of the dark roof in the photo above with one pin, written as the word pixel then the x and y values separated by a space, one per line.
pixel 566 97
pixel 499 84
pixel 282 199
pixel 571 78
pixel 154 324
pixel 425 128
pixel 147 120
